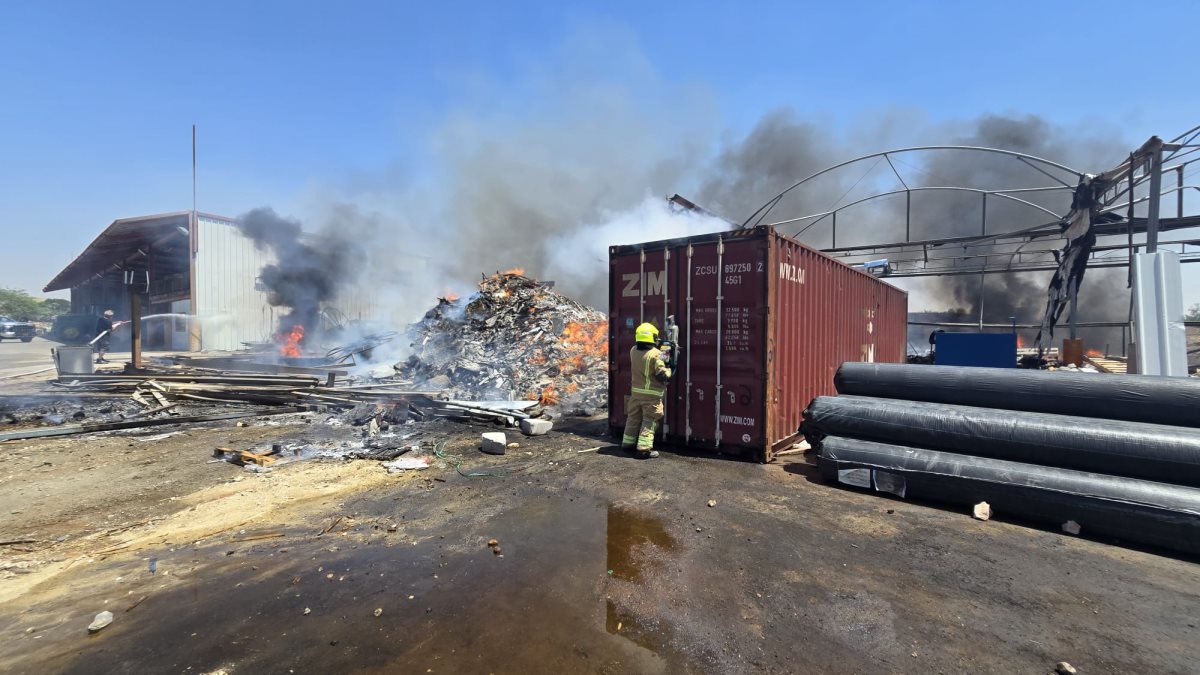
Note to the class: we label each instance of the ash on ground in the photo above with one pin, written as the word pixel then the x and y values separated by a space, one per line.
pixel 516 338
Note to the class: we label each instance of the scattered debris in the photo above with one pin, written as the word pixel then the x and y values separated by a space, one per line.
pixel 261 535
pixel 406 464
pixel 494 443
pixel 378 611
pixel 102 619
pixel 1071 527
pixel 712 503
pixel 244 457
pixel 307 611
pixel 1064 668
pixel 69 429
pixel 982 511
pixel 533 427
pixel 492 543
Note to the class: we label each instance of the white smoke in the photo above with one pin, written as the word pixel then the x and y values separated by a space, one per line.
pixel 578 257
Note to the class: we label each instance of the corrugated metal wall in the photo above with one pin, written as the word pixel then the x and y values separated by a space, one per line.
pixel 824 314
pixel 229 308
pixel 231 311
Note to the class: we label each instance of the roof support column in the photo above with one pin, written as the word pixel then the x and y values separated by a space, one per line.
pixel 135 327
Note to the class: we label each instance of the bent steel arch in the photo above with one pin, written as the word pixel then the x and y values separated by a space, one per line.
pixel 1003 194
pixel 1031 160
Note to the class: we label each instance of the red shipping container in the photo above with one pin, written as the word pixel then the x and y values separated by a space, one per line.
pixel 764 322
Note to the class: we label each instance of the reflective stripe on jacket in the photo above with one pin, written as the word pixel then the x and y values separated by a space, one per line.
pixel 645 365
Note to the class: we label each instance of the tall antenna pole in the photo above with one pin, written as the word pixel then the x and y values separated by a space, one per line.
pixel 193 174
pixel 194 337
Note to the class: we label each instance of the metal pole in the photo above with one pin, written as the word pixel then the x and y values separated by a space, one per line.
pixel 1129 228
pixel 720 325
pixel 642 286
pixel 834 245
pixel 983 220
pixel 908 215
pixel 666 427
pixel 687 353
pixel 195 334
pixel 1074 291
pixel 135 325
pixel 1179 192
pixel 981 288
pixel 193 173
pixel 1155 198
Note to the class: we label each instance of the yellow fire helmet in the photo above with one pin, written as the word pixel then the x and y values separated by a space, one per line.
pixel 646 333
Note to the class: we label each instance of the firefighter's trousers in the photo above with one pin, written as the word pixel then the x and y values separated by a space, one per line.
pixel 643 411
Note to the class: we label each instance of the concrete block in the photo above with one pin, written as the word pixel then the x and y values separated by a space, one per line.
pixel 532 427
pixel 494 443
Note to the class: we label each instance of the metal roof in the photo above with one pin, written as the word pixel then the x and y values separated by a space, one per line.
pixel 123 243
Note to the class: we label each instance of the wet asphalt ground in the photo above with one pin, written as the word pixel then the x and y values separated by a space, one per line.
pixel 612 565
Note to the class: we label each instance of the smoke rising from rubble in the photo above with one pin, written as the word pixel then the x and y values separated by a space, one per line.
pixel 306 271
pixel 548 173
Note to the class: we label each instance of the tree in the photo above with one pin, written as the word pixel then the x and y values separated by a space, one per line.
pixel 1193 314
pixel 19 305
pixel 52 307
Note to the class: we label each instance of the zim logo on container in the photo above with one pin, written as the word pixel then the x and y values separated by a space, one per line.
pixel 656 284
pixel 789 272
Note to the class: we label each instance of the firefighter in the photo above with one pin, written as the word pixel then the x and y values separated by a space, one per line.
pixel 645 407
pixel 104 329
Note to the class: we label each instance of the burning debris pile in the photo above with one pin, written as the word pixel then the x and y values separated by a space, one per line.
pixel 516 338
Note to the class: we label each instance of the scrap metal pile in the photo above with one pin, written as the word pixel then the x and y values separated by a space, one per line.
pixel 516 338
pixel 1116 456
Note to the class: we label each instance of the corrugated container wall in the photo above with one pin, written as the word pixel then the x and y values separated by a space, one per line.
pixel 229 307
pixel 764 322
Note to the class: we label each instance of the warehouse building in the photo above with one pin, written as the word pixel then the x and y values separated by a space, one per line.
pixel 193 277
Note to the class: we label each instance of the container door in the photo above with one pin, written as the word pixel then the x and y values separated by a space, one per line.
pixel 640 292
pixel 723 328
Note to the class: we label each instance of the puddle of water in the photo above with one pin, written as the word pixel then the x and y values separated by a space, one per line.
pixel 635 544
pixel 631 539
pixel 449 605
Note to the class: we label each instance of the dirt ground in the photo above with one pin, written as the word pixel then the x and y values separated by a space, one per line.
pixel 604 564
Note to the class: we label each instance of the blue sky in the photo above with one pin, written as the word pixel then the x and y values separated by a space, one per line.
pixel 296 97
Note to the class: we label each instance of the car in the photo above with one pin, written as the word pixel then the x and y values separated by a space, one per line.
pixel 11 329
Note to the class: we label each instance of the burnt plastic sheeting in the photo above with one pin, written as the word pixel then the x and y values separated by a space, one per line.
pixel 1135 398
pixel 1133 449
pixel 1123 508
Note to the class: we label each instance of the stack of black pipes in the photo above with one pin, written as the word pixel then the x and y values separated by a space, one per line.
pixel 1117 454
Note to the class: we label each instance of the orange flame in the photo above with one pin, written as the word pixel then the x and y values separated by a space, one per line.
pixel 291 342
pixel 516 270
pixel 584 342
pixel 1020 342
pixel 449 295
pixel 1094 352
pixel 549 395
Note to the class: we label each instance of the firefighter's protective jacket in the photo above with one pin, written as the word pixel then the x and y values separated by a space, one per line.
pixel 650 374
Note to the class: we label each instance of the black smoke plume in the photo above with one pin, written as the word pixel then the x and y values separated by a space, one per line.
pixel 308 270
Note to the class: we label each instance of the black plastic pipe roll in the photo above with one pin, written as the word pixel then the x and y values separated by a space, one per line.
pixel 1173 401
pixel 1118 448
pixel 1128 509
